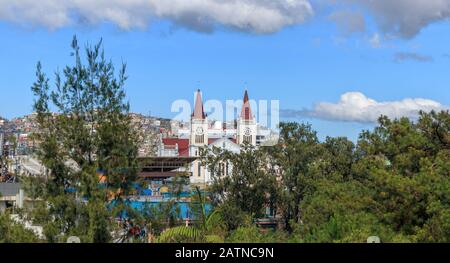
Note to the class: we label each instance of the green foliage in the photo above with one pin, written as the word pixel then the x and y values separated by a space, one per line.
pixel 12 232
pixel 91 131
pixel 247 187
pixel 397 187
pixel 99 230
pixel 181 234
pixel 161 217
pixel 208 227
pixel 395 184
pixel 233 217
pixel 297 153
pixel 252 234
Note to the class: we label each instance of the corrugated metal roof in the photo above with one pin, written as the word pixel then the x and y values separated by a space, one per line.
pixel 9 189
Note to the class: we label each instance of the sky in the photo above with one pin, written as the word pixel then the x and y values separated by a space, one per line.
pixel 336 64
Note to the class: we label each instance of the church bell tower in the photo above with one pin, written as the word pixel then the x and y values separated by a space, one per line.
pixel 199 124
pixel 198 139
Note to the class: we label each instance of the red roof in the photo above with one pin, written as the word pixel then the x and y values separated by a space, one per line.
pixel 212 140
pixel 183 145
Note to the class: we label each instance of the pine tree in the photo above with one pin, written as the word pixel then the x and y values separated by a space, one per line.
pixel 87 144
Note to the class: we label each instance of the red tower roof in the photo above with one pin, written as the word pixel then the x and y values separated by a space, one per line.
pixel 246 111
pixel 198 113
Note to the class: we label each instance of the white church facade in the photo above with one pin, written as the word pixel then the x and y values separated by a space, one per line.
pixel 204 133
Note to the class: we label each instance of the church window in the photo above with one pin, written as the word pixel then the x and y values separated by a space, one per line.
pixel 200 139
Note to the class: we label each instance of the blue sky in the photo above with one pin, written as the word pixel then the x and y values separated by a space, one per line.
pixel 307 63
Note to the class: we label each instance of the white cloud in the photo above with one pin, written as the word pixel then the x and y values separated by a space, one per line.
pixel 395 18
pixel 406 18
pixel 259 16
pixel 356 107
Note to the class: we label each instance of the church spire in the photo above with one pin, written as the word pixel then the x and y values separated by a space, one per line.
pixel 246 111
pixel 198 113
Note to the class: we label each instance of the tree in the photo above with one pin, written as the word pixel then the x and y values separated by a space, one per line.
pixel 247 189
pixel 13 232
pixel 337 158
pixel 90 133
pixel 398 188
pixel 295 154
pixel 413 165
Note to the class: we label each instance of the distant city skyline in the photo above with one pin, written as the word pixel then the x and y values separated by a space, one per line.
pixel 336 66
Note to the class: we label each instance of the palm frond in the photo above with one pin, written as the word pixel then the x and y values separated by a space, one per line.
pixel 214 239
pixel 180 234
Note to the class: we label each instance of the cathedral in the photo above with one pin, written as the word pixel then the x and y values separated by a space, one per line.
pixel 202 132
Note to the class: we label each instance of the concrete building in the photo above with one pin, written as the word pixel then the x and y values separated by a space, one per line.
pixel 11 195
